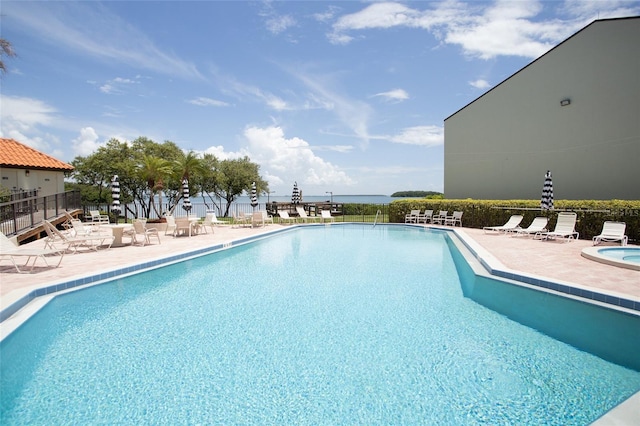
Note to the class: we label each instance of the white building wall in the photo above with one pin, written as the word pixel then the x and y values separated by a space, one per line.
pixel 47 182
pixel 501 145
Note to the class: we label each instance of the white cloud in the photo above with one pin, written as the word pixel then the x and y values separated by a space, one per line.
pixel 420 135
pixel 203 101
pixel 480 84
pixel 327 15
pixel 285 160
pixel 23 118
pixel 484 30
pixel 278 24
pixel 86 143
pixel 394 95
pixel 352 113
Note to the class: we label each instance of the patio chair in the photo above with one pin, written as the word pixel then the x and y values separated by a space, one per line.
pixel 55 237
pixel 241 219
pixel 257 219
pixel 412 216
pixel 440 217
pixel 326 215
pixel 612 232
pixel 538 225
pixel 284 216
pixel 565 228
pixel 513 224
pixel 425 217
pixel 266 217
pixel 141 234
pixel 96 217
pixel 455 219
pixel 11 251
pixel 171 225
pixel 185 226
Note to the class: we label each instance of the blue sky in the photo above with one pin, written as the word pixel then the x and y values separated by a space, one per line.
pixel 341 96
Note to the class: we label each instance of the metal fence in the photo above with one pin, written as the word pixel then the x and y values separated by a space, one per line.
pixel 25 213
pixel 345 213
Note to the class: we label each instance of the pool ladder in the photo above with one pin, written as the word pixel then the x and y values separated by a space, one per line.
pixel 375 221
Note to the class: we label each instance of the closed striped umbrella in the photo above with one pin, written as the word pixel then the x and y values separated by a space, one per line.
pixel 546 202
pixel 186 202
pixel 254 195
pixel 295 196
pixel 115 195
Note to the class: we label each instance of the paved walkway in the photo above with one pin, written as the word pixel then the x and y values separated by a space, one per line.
pixel 551 259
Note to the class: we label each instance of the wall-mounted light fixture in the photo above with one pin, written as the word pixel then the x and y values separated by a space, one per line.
pixel 565 102
pixel 26 172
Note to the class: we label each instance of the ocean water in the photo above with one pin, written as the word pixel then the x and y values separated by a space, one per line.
pixel 358 199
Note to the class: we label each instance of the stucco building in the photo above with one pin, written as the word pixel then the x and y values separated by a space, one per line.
pixel 24 169
pixel 574 111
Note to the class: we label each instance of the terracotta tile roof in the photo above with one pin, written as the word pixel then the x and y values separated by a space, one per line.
pixel 15 154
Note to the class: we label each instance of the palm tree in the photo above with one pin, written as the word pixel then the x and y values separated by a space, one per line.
pixel 154 171
pixel 189 167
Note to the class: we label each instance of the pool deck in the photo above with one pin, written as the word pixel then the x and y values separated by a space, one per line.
pixel 551 260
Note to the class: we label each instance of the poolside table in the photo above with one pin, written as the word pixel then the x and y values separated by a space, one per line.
pixel 118 231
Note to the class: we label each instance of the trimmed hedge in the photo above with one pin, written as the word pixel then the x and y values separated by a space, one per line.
pixel 480 213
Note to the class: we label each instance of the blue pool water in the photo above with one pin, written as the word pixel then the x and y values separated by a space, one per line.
pixel 327 325
pixel 629 254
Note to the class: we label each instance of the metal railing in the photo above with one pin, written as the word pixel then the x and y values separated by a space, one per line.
pixel 348 212
pixel 26 213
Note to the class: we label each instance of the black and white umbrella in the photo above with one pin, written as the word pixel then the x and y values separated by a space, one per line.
pixel 295 196
pixel 546 202
pixel 115 195
pixel 254 195
pixel 186 202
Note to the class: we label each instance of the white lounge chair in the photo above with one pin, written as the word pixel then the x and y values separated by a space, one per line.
pixel 612 232
pixel 11 251
pixel 565 228
pixel 326 215
pixel 454 219
pixel 412 216
pixel 304 216
pixel 284 217
pixel 210 220
pixel 538 225
pixel 55 237
pixel 513 224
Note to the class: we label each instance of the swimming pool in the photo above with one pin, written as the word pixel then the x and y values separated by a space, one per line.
pixel 322 325
pixel 624 257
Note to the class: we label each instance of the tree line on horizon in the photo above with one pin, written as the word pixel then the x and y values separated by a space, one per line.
pixel 418 194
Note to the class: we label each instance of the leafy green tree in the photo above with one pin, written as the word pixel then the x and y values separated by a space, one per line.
pixel 236 177
pixel 210 179
pixel 93 174
pixel 147 170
